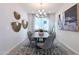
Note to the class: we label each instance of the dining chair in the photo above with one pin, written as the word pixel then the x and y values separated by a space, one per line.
pixel 48 44
pixel 32 41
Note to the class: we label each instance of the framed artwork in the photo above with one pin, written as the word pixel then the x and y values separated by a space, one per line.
pixel 68 19
pixel 71 19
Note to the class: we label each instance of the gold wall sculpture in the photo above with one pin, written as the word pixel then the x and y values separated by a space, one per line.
pixel 16 26
pixel 17 15
pixel 24 24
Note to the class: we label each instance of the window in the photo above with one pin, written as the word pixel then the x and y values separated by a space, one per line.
pixel 41 23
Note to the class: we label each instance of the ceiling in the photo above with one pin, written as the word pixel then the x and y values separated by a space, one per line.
pixel 49 7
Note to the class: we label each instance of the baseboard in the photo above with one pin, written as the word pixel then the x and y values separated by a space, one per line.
pixel 13 47
pixel 69 49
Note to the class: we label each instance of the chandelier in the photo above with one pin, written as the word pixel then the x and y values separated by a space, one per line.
pixel 41 12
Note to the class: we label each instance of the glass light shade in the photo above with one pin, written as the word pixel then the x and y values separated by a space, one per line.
pixel 37 15
pixel 43 10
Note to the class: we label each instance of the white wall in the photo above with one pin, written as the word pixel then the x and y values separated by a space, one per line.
pixel 51 21
pixel 31 22
pixel 68 38
pixel 9 38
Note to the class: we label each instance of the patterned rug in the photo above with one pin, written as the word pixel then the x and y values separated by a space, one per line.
pixel 27 50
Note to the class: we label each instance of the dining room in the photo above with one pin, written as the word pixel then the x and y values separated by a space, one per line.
pixel 41 31
pixel 38 29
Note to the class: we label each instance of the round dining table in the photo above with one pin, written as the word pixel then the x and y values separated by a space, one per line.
pixel 40 39
pixel 36 35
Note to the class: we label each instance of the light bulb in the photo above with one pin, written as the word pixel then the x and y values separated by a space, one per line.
pixel 40 13
pixel 37 15
pixel 39 10
pixel 43 10
pixel 44 13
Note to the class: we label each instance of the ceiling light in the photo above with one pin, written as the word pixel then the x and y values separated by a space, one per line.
pixel 41 12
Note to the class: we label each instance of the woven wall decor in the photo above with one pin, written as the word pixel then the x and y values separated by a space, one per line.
pixel 16 26
pixel 17 15
pixel 24 24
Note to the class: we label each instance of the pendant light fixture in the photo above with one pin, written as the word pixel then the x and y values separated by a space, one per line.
pixel 41 12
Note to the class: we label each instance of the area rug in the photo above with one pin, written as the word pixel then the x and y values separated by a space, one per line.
pixel 27 50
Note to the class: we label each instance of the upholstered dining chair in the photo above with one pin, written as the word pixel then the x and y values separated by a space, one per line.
pixel 47 48
pixel 32 41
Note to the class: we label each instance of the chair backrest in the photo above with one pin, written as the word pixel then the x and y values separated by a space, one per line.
pixel 29 35
pixel 49 41
pixel 53 36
